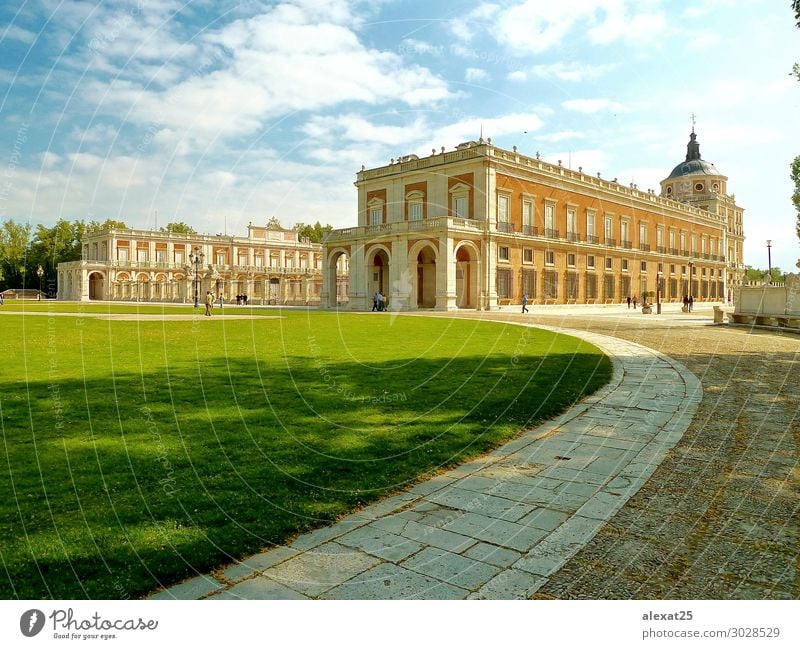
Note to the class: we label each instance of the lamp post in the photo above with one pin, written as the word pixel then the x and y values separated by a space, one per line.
pixel 40 273
pixel 689 289
pixel 769 258
pixel 196 257
pixel 658 292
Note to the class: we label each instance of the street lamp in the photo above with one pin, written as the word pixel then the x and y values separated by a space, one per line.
pixel 689 283
pixel 769 258
pixel 40 273
pixel 196 257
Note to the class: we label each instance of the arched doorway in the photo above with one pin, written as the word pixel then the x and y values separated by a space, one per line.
pixel 426 278
pixel 378 273
pixel 466 276
pixel 96 286
pixel 337 273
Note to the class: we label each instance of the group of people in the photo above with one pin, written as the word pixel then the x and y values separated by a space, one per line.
pixel 378 301
pixel 632 300
pixel 241 300
pixel 688 302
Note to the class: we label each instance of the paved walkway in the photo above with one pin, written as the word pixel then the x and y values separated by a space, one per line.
pixel 498 527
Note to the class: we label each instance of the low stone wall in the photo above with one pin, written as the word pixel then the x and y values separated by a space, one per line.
pixel 777 306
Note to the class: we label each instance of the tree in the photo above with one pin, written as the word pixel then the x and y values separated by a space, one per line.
pixel 796 7
pixel 179 228
pixel 14 240
pixel 314 233
pixel 93 226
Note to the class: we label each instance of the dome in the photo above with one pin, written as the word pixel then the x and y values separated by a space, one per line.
pixel 694 167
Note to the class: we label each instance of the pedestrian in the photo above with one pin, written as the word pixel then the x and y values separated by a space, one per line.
pixel 691 303
pixel 381 302
pixel 375 301
pixel 629 301
pixel 2 300
pixel 221 301
pixel 525 303
pixel 685 303
pixel 209 302
pixel 634 301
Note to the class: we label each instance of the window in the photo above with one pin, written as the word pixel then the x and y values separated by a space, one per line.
pixel 502 253
pixel 608 287
pixel 672 269
pixel 623 233
pixel 571 259
pixel 591 286
pixel 527 213
pixel 460 207
pixel 550 285
pixel 702 245
pixel 259 259
pixel 609 263
pixel 572 286
pixel 624 265
pixel 683 242
pixel 220 258
pixel 504 283
pixel 415 211
pixel 527 255
pixel 683 270
pixel 141 254
pixel 590 216
pixel 660 267
pixel 694 243
pixel 549 219
pixel 572 220
pixel 589 261
pixel 375 215
pixel 609 225
pixel 161 256
pixel 502 208
pixel 179 257
pixel 672 239
pixel 549 258
pixel 643 267
pixel 642 233
pixel 660 237
pixel 122 253
pixel 529 283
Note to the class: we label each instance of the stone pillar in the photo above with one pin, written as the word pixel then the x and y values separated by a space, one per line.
pixel 282 258
pixel 446 275
pixel 83 285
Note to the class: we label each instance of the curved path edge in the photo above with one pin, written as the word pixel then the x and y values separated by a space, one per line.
pixel 496 527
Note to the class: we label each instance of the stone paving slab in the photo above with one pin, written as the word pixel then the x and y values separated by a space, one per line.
pixel 500 526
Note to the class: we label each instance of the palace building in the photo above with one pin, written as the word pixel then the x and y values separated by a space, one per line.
pixel 480 226
pixel 271 265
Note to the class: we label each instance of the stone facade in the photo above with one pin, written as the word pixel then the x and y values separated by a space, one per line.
pixel 271 265
pixel 480 226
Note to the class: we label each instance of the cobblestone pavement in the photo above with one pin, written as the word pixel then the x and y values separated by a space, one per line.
pixel 720 517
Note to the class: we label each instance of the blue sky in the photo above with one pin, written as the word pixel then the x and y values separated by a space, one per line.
pixel 221 113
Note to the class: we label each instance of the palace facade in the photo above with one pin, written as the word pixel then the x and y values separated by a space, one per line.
pixel 480 226
pixel 271 265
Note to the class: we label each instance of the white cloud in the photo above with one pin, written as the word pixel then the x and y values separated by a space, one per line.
pixel 256 79
pixel 355 128
pixel 571 71
pixel 16 33
pixel 476 75
pixel 561 135
pixel 589 106
pixel 517 75
pixel 534 26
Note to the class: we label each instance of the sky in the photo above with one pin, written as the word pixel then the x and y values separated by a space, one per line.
pixel 223 113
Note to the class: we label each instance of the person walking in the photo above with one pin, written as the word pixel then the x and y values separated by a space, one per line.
pixel 221 301
pixel 209 302
pixel 691 303
pixel 375 301
pixel 685 303
pixel 381 302
pixel 629 301
pixel 634 301
pixel 525 303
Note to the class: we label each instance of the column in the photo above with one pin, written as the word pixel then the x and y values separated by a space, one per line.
pixel 446 275
pixel 83 285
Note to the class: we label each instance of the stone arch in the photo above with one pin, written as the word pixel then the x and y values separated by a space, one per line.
pixel 378 259
pixel 97 281
pixel 422 259
pixel 337 277
pixel 467 260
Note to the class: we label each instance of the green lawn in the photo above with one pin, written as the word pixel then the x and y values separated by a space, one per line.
pixel 135 454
